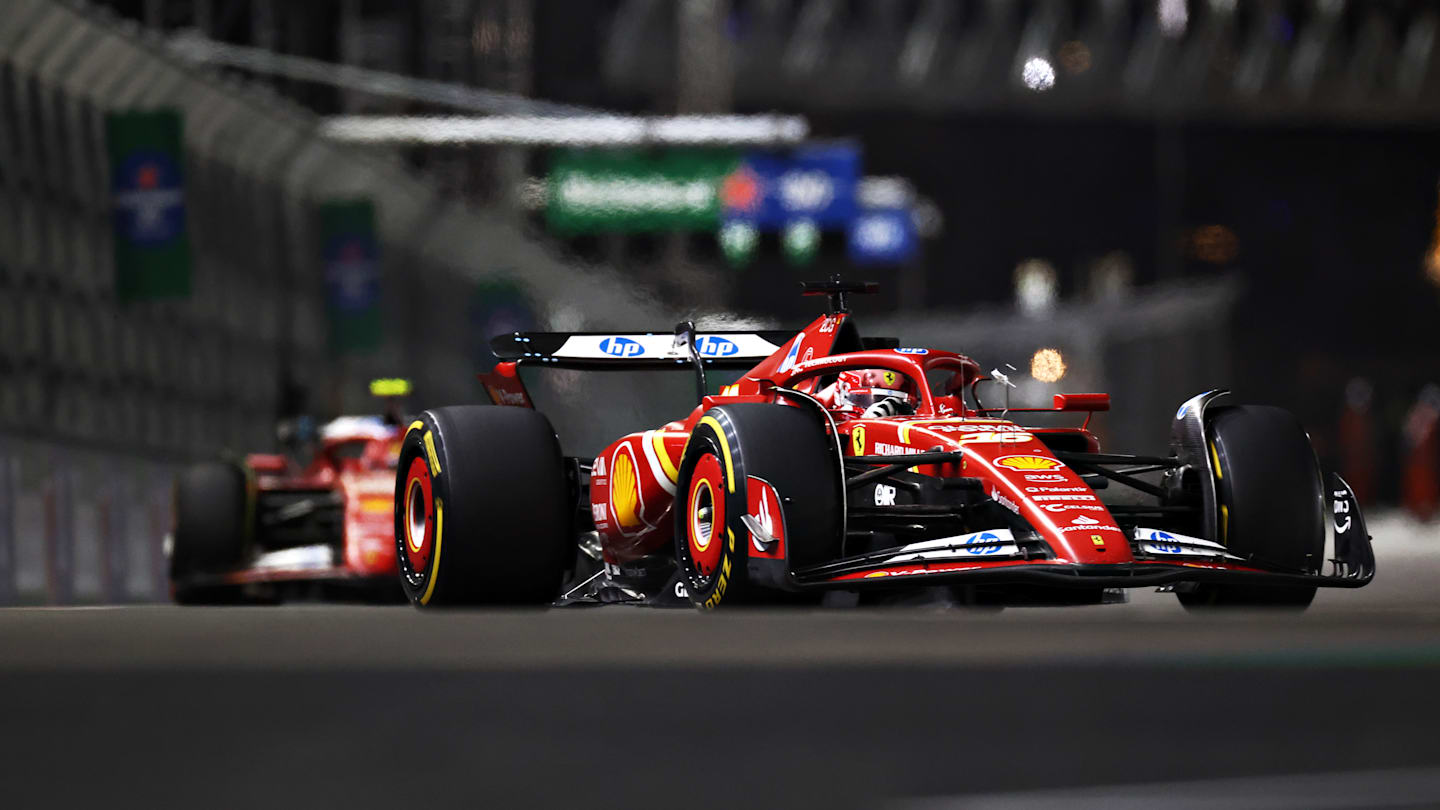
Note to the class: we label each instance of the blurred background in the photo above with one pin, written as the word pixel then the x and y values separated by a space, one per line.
pixel 219 214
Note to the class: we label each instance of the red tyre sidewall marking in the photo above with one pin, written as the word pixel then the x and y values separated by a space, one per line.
pixel 705 551
pixel 418 550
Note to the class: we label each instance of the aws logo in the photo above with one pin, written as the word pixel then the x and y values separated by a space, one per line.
pixel 1028 463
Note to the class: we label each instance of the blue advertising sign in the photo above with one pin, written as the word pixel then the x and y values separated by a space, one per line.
pixel 815 183
pixel 883 236
pixel 352 272
pixel 149 198
pixel 152 246
pixel 351 258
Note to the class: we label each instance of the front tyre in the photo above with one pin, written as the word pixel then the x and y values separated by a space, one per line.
pixel 1271 507
pixel 482 508
pixel 767 466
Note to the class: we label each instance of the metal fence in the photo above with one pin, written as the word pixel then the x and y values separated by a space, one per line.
pixel 101 401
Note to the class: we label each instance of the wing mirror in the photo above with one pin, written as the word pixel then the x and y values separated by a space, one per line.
pixel 1082 402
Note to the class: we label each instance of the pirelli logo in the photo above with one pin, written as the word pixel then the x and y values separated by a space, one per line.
pixel 431 454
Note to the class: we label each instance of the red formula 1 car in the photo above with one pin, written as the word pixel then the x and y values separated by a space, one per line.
pixel 267 526
pixel 839 463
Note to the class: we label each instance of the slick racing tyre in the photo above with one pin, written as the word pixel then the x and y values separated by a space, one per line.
pixel 1271 508
pixel 774 464
pixel 483 513
pixel 211 513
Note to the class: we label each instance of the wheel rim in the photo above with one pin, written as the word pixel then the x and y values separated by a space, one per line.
pixel 418 518
pixel 705 513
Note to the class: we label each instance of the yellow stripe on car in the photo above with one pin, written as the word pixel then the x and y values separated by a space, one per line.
pixel 724 448
pixel 657 441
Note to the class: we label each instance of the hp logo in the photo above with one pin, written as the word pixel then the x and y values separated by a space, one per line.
pixel 621 347
pixel 983 537
pixel 712 346
pixel 1165 544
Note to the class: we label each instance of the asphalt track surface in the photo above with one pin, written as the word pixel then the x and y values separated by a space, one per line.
pixel 1107 706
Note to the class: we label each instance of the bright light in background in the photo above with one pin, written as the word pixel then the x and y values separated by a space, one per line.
pixel 1038 74
pixel 1036 286
pixel 737 241
pixel 1047 365
pixel 1173 17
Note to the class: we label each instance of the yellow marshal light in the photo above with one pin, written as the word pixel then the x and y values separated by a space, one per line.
pixel 1047 365
pixel 390 387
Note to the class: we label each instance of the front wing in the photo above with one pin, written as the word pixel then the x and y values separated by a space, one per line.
pixel 1352 566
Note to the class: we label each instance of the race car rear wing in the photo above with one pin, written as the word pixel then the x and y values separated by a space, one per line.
pixel 639 350
pixel 635 351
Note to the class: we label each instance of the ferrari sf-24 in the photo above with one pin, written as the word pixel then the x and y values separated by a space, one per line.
pixel 837 462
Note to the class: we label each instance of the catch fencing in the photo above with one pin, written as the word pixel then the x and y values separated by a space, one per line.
pixel 102 400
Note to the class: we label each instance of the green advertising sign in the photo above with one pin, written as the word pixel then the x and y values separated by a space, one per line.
pixel 351 257
pixel 633 192
pixel 147 188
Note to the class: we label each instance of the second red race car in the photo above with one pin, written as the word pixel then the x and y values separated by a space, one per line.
pixel 315 522
pixel 841 463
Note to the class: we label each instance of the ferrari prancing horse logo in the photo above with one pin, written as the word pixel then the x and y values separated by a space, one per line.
pixel 857 441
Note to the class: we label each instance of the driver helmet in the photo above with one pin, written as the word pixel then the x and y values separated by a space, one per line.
pixel 861 388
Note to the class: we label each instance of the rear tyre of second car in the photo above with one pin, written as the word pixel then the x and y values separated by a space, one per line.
pixel 211 514
pixel 483 510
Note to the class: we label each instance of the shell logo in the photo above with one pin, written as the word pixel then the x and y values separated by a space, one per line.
pixel 857 441
pixel 1028 463
pixel 625 491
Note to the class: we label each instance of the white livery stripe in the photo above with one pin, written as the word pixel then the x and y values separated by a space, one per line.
pixel 1155 541
pixel 662 347
pixel 647 444
pixel 987 545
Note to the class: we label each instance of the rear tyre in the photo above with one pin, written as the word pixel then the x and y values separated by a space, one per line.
pixel 770 462
pixel 483 513
pixel 210 518
pixel 1271 506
